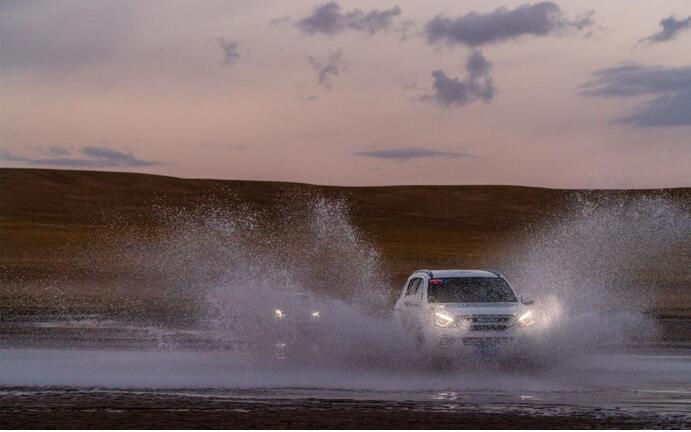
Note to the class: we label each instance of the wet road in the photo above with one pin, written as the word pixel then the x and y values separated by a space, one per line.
pixel 138 376
pixel 84 408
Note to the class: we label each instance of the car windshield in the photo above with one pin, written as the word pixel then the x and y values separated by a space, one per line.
pixel 470 290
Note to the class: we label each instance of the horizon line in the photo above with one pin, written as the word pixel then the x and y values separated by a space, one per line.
pixel 348 186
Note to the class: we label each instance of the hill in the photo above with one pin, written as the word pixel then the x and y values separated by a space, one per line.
pixel 47 217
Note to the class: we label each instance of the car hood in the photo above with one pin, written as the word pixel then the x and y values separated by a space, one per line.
pixel 480 308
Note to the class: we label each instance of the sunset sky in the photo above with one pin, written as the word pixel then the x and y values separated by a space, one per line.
pixel 578 94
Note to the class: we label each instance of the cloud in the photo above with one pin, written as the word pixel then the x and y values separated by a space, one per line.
pixel 453 91
pixel 93 157
pixel 57 151
pixel 328 19
pixel 666 110
pixel 229 49
pixel 227 146
pixel 413 153
pixel 328 68
pixel 671 87
pixel 279 21
pixel 671 27
pixel 474 29
pixel 635 79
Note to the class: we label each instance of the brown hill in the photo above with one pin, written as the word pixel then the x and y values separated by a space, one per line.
pixel 46 216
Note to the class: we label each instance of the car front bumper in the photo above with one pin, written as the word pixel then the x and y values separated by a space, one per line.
pixel 454 341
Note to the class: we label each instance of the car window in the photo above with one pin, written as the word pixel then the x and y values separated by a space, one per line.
pixel 469 290
pixel 413 287
pixel 417 288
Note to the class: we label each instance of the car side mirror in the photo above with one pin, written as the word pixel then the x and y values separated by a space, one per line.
pixel 527 302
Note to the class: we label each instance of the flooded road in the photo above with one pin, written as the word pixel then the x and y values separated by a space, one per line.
pixel 117 375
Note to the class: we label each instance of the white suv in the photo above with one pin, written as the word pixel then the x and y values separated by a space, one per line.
pixel 456 311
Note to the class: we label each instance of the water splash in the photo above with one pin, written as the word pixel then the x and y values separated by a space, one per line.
pixel 591 271
pixel 595 270
pixel 238 265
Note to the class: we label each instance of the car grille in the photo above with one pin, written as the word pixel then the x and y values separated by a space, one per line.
pixel 488 327
pixel 485 341
pixel 486 322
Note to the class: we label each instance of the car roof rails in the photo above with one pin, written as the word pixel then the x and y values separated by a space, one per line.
pixel 427 272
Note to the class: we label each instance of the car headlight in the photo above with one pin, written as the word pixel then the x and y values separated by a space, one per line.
pixel 316 315
pixel 526 319
pixel 442 320
pixel 279 314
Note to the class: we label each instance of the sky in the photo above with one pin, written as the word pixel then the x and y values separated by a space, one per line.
pixel 573 94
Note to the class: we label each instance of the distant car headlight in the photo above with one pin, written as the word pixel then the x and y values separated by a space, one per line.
pixel 316 315
pixel 279 314
pixel 526 319
pixel 442 320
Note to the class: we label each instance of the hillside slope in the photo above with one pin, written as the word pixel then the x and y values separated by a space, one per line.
pixel 46 216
